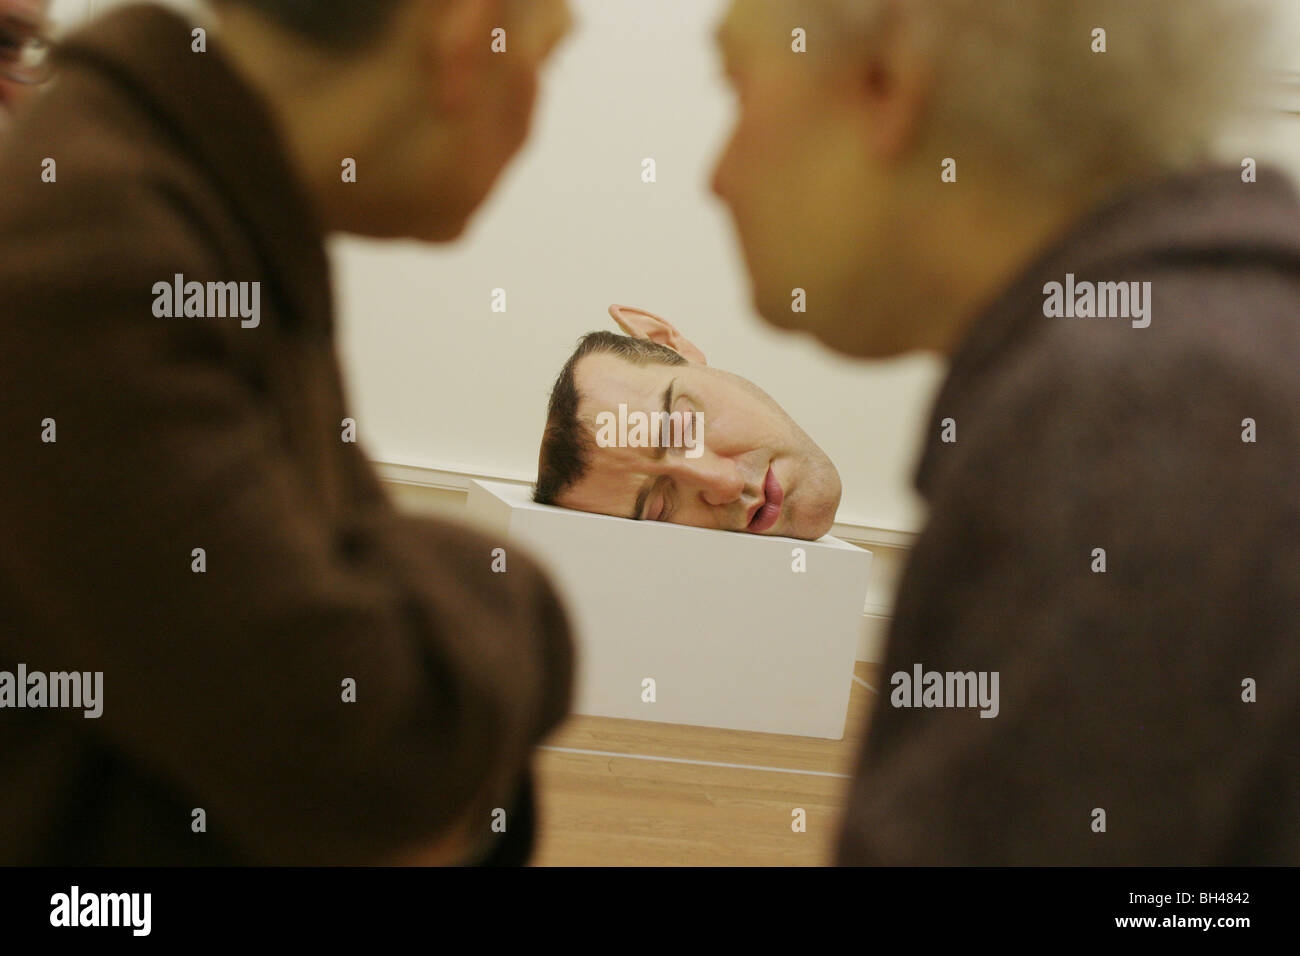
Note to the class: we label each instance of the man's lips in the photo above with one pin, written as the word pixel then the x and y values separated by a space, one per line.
pixel 770 510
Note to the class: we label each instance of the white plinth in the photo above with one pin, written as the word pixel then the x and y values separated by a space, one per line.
pixel 731 635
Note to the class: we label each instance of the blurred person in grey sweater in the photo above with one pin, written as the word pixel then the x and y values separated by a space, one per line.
pixel 1112 465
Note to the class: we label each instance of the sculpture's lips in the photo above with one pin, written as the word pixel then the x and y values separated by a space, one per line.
pixel 770 510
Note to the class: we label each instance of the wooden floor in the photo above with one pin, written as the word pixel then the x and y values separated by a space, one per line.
pixel 653 794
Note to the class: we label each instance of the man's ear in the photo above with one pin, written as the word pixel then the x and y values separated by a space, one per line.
pixel 641 324
pixel 451 36
pixel 896 86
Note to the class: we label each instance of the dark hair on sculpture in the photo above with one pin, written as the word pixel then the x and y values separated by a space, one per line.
pixel 339 26
pixel 567 440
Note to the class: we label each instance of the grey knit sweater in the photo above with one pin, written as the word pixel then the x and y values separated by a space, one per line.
pixel 1115 533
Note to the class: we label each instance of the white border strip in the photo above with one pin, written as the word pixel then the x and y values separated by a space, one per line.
pixel 698 763
pixel 457 478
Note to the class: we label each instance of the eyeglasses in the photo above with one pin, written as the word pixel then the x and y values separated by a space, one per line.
pixel 24 54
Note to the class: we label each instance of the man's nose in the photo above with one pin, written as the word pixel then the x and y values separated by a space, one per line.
pixel 716 177
pixel 717 478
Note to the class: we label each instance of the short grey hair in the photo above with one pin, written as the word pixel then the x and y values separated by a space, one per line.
pixel 1018 82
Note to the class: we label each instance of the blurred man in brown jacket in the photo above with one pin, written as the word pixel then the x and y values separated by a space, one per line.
pixel 1112 465
pixel 291 671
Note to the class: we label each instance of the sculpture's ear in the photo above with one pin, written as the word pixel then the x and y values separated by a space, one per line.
pixel 641 324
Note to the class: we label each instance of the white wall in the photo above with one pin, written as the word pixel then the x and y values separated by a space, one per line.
pixel 63 12
pixel 439 379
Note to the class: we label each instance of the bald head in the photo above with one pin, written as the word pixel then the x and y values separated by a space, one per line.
pixel 926 150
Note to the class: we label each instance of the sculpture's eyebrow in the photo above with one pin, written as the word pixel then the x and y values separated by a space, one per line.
pixel 659 453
